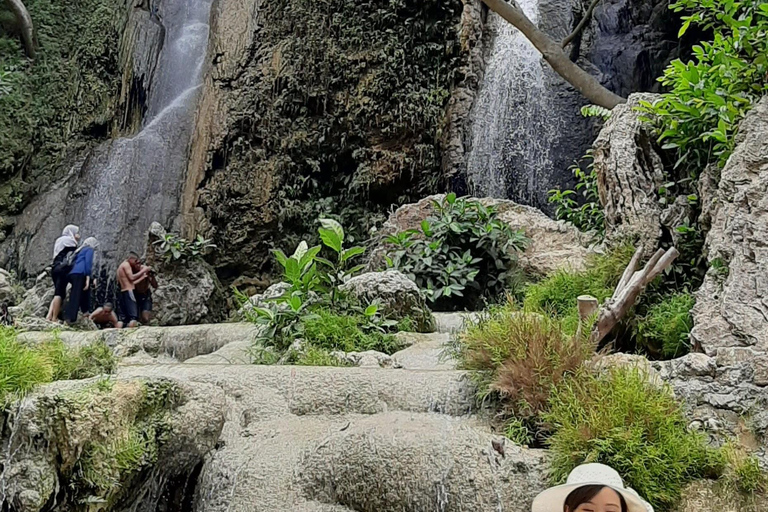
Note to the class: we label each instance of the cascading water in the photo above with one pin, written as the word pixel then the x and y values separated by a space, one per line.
pixel 513 126
pixel 128 183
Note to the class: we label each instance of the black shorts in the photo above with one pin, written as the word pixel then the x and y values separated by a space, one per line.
pixel 101 325
pixel 60 281
pixel 128 307
pixel 144 301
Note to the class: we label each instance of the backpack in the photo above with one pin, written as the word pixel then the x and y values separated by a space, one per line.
pixel 65 264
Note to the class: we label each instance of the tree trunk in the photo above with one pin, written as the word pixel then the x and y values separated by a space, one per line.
pixel 25 25
pixel 553 53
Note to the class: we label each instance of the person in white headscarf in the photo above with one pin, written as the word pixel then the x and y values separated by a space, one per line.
pixel 81 279
pixel 63 259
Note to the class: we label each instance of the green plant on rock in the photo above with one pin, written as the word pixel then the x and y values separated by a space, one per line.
pixel 710 95
pixel 347 333
pixel 587 213
pixel 619 418
pixel 337 270
pixel 174 248
pixel 742 470
pixel 518 356
pixel 663 331
pixel 459 255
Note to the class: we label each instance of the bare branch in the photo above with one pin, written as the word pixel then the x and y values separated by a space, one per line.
pixel 631 285
pixel 553 53
pixel 583 23
pixel 25 25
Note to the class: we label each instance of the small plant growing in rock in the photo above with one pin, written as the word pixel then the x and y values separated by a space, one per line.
pixel 586 213
pixel 173 248
pixel 459 255
pixel 664 329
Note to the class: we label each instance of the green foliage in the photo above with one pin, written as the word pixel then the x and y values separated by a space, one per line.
pixel 343 117
pixel 317 356
pixel 66 98
pixel 709 95
pixel 557 293
pixel 176 249
pixel 313 309
pixel 587 213
pixel 742 470
pixel 461 254
pixel 518 356
pixel 665 327
pixel 348 333
pixel 618 418
pixel 22 368
pixel 596 111
pixel 518 432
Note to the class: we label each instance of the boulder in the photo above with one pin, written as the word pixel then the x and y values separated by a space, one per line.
pixel 398 297
pixel 37 299
pixel 83 423
pixel 9 291
pixel 553 244
pixel 424 352
pixel 629 173
pixel 732 305
pixel 188 292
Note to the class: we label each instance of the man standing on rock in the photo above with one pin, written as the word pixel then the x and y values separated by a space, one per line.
pixel 129 274
pixel 143 294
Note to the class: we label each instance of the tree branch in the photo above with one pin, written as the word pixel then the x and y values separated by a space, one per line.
pixel 25 25
pixel 585 83
pixel 583 23
pixel 630 287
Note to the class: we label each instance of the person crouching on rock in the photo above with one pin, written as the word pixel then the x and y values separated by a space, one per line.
pixel 129 273
pixel 143 294
pixel 80 279
pixel 105 317
pixel 63 251
pixel 591 488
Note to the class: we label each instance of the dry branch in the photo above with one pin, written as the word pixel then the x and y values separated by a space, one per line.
pixel 553 53
pixel 583 23
pixel 631 285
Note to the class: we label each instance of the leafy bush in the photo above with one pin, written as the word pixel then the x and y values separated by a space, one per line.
pixel 460 254
pixel 314 310
pixel 519 355
pixel 742 470
pixel 557 293
pixel 348 333
pixel 174 248
pixel 618 418
pixel 22 368
pixel 712 93
pixel 664 329
pixel 587 214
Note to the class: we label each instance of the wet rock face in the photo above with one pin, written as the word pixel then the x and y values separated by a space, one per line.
pixel 732 305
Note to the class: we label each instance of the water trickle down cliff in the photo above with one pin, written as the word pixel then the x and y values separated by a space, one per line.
pixel 512 124
pixel 128 183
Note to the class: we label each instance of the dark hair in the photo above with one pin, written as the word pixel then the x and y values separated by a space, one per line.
pixel 108 305
pixel 133 255
pixel 586 493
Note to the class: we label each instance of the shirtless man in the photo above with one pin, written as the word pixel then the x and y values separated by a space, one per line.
pixel 105 317
pixel 129 273
pixel 143 294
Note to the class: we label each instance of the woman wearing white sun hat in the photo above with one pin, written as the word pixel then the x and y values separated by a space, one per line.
pixel 591 488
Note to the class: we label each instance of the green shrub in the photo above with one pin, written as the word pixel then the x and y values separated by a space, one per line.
pixel 618 418
pixel 459 255
pixel 664 329
pixel 709 95
pixel 557 293
pixel 174 248
pixel 317 356
pixel 518 356
pixel 333 331
pixel 742 470
pixel 586 214
pixel 21 369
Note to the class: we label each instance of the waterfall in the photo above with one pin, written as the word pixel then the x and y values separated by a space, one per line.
pixel 514 126
pixel 128 183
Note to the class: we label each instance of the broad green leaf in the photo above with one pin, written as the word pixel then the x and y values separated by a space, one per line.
pixel 331 239
pixel 300 251
pixel 333 226
pixel 351 253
